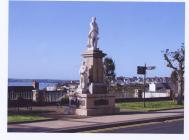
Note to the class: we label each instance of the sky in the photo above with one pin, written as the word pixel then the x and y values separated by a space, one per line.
pixel 46 39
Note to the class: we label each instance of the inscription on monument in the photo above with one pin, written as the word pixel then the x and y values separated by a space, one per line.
pixel 101 102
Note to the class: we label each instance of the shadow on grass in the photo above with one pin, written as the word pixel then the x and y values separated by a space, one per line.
pixel 29 112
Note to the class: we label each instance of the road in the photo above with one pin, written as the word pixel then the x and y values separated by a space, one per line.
pixel 167 127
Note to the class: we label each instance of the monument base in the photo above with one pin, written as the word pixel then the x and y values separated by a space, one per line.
pixel 93 104
pixel 97 88
pixel 95 112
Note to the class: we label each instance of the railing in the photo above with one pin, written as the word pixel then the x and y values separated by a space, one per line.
pixel 13 95
pixel 125 95
pixel 53 96
pixel 26 93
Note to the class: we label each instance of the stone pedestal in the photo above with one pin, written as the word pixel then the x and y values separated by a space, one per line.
pixel 93 104
pixel 95 100
pixel 94 62
pixel 97 88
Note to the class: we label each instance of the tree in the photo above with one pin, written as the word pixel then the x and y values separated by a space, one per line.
pixel 175 61
pixel 109 70
pixel 174 79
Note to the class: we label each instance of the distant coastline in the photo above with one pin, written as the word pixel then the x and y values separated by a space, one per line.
pixel 43 83
pixel 39 80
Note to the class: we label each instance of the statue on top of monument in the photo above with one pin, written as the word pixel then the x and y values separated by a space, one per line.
pixel 93 34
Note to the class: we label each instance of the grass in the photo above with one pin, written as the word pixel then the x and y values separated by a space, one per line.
pixel 23 118
pixel 150 105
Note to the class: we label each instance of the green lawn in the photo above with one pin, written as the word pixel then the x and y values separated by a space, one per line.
pixel 23 118
pixel 150 106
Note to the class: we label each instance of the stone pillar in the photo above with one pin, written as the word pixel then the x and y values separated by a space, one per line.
pixel 35 94
pixel 94 62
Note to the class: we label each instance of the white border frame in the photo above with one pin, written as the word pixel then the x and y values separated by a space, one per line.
pixel 48 136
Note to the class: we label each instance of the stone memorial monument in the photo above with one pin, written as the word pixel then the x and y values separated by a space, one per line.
pixel 91 97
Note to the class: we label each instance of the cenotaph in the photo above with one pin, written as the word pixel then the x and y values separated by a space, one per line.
pixel 91 97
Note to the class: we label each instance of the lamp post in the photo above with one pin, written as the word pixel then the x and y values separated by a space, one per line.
pixel 142 70
pixel 144 86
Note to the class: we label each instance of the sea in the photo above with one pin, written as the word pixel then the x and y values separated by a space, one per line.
pixel 43 83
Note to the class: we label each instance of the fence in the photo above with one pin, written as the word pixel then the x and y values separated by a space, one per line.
pixel 125 95
pixel 52 96
pixel 14 95
pixel 26 93
pixel 55 96
pixel 20 91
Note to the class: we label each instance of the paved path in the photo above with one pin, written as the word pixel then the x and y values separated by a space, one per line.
pixel 70 123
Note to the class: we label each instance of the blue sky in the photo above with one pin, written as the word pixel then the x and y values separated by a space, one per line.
pixel 46 39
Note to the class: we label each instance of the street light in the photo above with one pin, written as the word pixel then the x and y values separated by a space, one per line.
pixel 142 70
